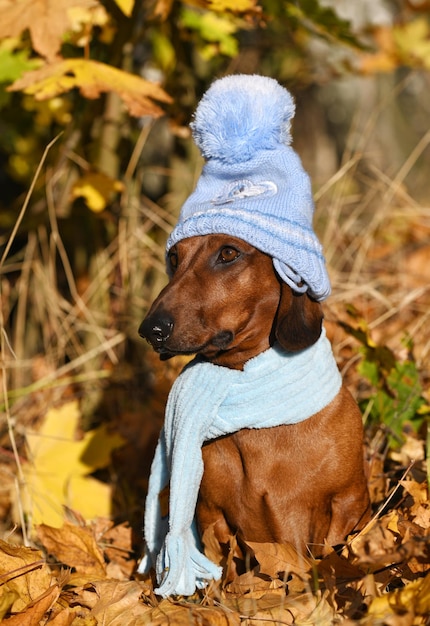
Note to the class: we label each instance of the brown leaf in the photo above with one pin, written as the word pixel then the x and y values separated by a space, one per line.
pixel 186 614
pixel 47 21
pixel 277 559
pixel 116 543
pixel 76 547
pixel 253 584
pixel 338 567
pixel 116 603
pixel 65 617
pixel 305 609
pixel 36 610
pixel 93 78
pixel 23 573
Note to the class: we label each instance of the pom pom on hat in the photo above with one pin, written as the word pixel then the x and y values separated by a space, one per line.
pixel 253 185
pixel 231 126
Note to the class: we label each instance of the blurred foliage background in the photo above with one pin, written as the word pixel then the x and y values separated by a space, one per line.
pixel 96 159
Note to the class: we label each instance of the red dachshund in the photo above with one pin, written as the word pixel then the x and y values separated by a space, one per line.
pixel 301 483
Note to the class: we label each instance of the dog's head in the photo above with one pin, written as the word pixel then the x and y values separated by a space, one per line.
pixel 226 302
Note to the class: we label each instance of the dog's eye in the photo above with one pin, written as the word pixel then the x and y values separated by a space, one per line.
pixel 173 260
pixel 228 254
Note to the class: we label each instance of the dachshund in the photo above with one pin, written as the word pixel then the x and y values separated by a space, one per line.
pixel 302 483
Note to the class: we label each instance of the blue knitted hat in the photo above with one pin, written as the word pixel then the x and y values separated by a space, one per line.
pixel 253 185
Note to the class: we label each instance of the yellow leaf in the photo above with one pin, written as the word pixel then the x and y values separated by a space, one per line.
pixel 47 21
pixel 92 79
pixel 239 6
pixel 392 523
pixel 414 597
pixel 126 6
pixel 233 6
pixel 413 42
pixel 82 22
pixel 59 465
pixel 96 189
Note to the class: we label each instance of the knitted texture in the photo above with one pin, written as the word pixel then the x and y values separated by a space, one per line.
pixel 253 185
pixel 208 401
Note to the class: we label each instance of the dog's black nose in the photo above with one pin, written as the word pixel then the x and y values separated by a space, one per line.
pixel 156 329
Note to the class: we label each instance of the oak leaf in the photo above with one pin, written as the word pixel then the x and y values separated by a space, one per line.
pixel 47 21
pixel 93 78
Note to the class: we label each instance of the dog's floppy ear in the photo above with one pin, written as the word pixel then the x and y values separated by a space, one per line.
pixel 299 320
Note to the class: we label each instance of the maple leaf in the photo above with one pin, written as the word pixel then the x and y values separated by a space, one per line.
pixel 58 474
pixel 47 21
pixel 93 78
pixel 75 546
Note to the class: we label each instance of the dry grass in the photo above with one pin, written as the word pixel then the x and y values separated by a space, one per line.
pixel 62 334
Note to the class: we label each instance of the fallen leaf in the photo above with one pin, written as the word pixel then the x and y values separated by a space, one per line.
pixel 76 547
pixel 338 567
pixel 57 474
pixel 23 573
pixel 47 21
pixel 305 609
pixel 93 78
pixel 67 616
pixel 253 584
pixel 186 614
pixel 414 598
pixel 34 613
pixel 277 559
pixel 117 546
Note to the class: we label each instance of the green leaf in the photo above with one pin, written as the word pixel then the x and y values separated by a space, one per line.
pixel 213 29
pixel 13 63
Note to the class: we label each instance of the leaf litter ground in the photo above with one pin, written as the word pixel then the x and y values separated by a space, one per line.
pixel 84 573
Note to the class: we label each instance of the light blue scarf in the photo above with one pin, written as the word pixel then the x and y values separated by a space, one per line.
pixel 207 401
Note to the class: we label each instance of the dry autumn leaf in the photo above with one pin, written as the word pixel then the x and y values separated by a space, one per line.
pixel 93 78
pixel 117 545
pixel 186 614
pixel 281 559
pixel 117 602
pixel 411 601
pixel 76 547
pixel 24 576
pixel 59 468
pixel 35 611
pixel 47 21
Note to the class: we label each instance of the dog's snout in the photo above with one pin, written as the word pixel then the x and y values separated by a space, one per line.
pixel 156 329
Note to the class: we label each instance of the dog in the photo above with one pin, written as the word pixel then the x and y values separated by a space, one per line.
pixel 301 483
